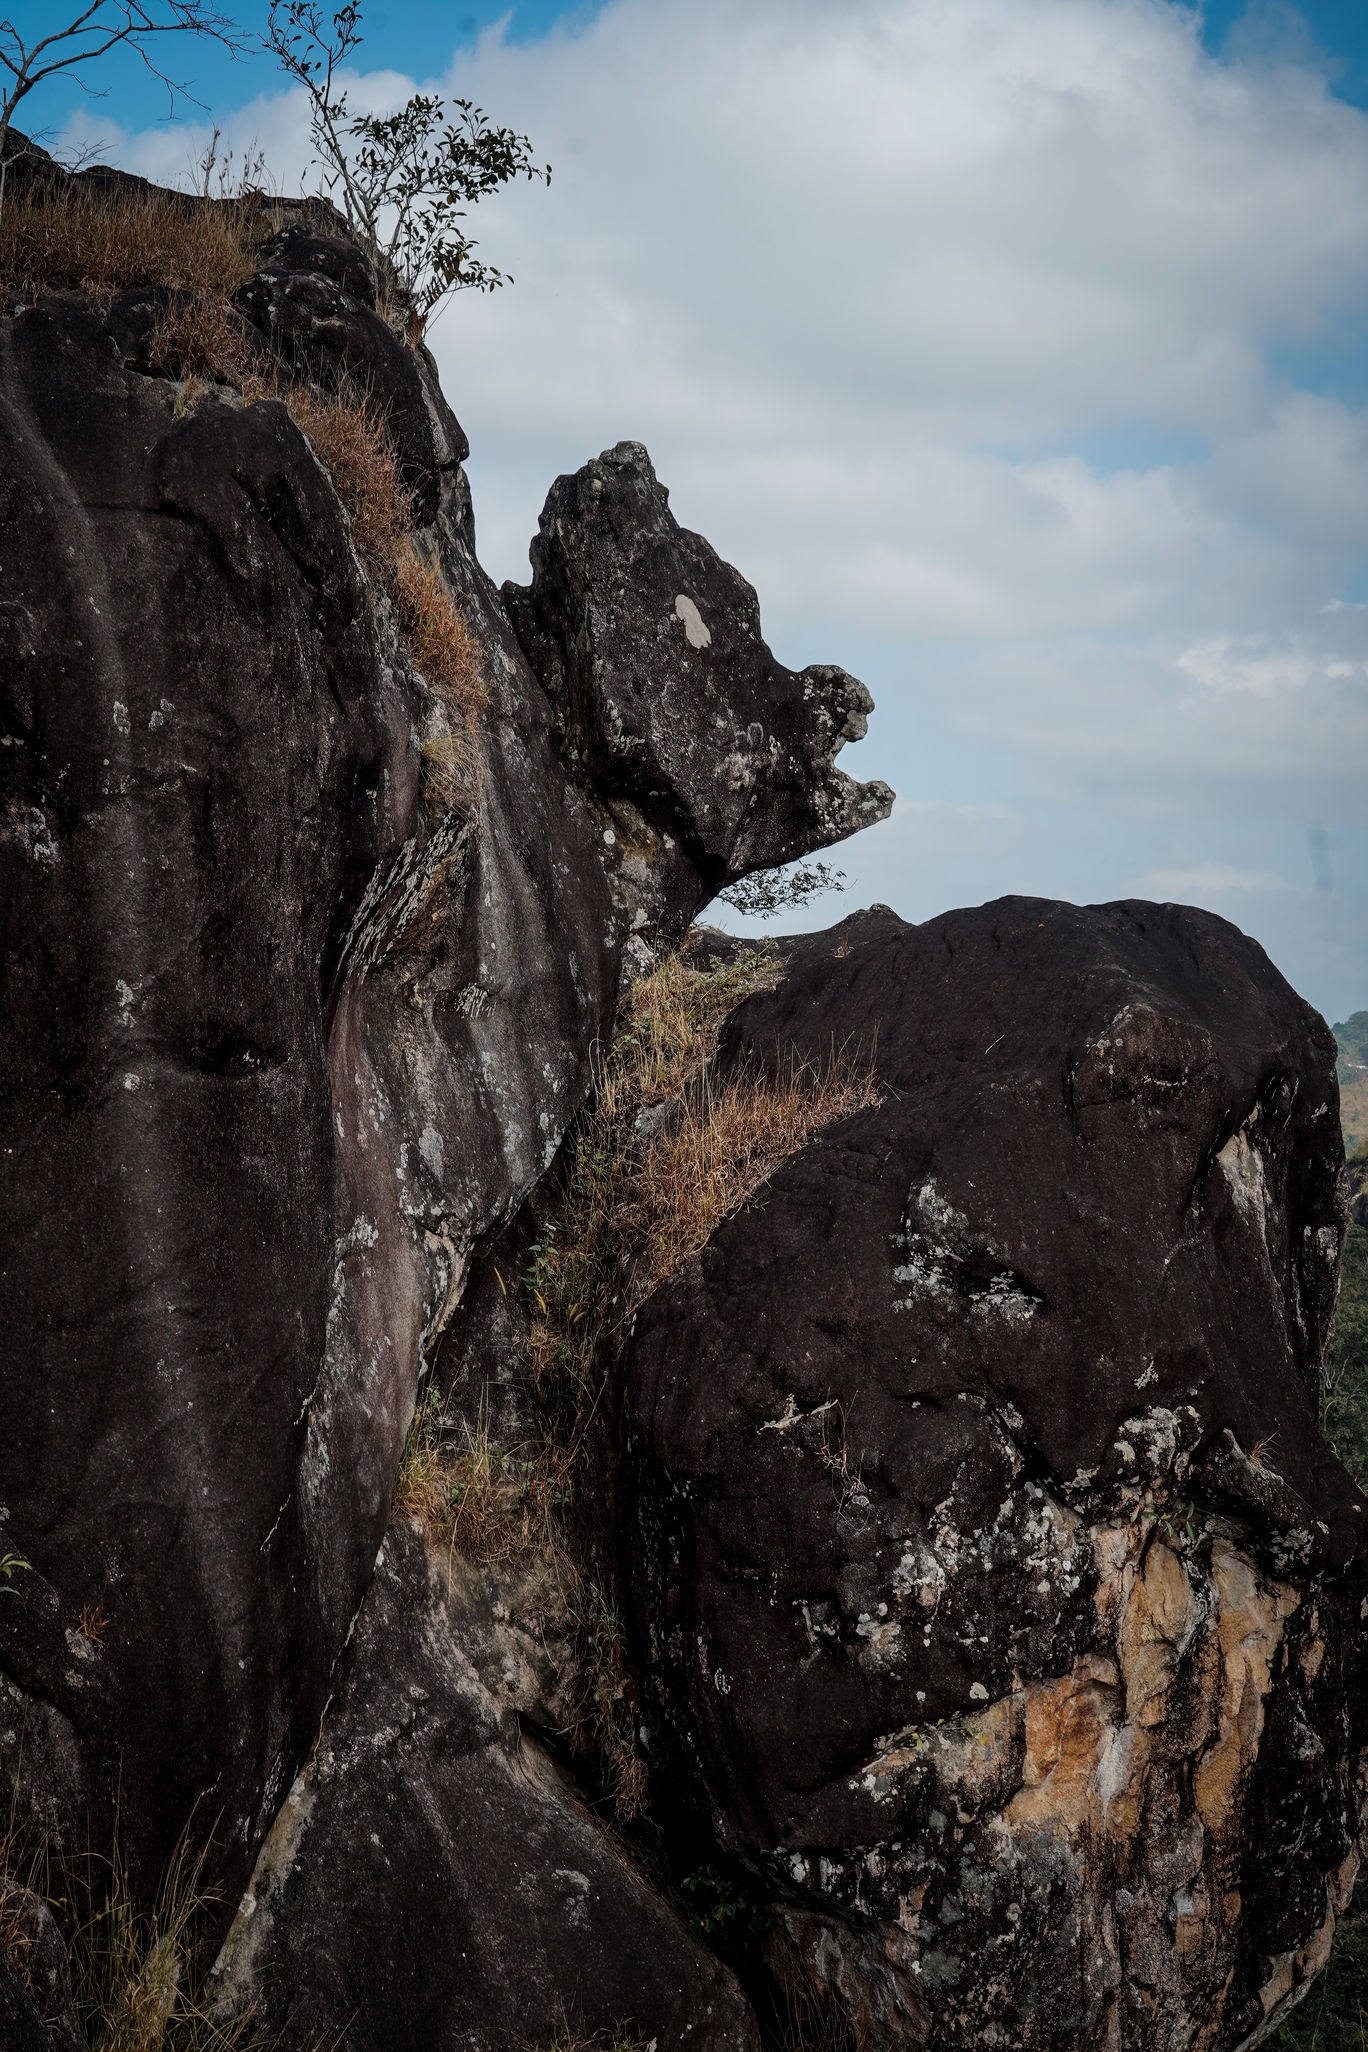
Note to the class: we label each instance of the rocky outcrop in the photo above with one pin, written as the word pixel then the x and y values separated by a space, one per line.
pixel 1000 1593
pixel 706 755
pixel 991 1599
pixel 288 1033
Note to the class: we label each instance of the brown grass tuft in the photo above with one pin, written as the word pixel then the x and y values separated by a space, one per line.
pixel 97 241
pixel 200 338
pixel 725 1145
pixel 349 436
pixel 485 1504
pixel 636 1202
pixel 435 630
pixel 132 1971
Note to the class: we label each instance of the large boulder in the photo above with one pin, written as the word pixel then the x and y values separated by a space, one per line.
pixel 998 1593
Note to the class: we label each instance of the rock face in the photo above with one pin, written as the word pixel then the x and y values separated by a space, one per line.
pixel 1000 1591
pixel 994 1602
pixel 520 1912
pixel 709 757
pixel 287 1035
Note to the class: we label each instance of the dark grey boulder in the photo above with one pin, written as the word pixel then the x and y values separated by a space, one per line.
pixel 435 1878
pixel 998 1591
pixel 36 2011
pixel 709 757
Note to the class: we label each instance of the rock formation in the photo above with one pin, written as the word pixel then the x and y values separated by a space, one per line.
pixel 1000 1591
pixel 990 1600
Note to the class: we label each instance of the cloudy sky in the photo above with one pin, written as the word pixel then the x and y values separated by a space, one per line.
pixel 1015 351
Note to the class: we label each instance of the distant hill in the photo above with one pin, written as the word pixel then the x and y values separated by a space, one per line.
pixel 1352 1038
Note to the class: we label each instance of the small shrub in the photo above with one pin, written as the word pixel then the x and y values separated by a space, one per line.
pixel 70 238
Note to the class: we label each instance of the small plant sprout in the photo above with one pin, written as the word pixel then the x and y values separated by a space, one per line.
pixel 12 1564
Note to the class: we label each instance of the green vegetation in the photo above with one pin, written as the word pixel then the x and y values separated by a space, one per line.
pixel 1351 1037
pixel 1333 2017
pixel 405 181
pixel 1345 1386
pixel 134 1980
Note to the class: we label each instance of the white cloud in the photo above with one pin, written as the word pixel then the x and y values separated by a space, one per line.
pixel 956 325
pixel 1203 882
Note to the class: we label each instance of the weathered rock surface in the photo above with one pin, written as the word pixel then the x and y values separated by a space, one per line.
pixel 708 757
pixel 1000 1593
pixel 521 1916
pixel 36 2013
pixel 287 1036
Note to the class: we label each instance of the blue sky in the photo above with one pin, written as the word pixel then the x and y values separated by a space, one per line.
pixel 1016 352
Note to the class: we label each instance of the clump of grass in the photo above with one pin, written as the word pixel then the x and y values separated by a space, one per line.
pixel 570 2038
pixel 348 434
pixel 487 1505
pixel 725 1145
pixel 442 643
pixel 612 1687
pixel 635 1207
pixel 133 1982
pixel 200 338
pixel 66 237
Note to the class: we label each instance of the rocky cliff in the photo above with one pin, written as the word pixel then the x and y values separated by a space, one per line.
pixel 912 1597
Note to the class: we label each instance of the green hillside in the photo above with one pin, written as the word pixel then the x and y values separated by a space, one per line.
pixel 1352 1069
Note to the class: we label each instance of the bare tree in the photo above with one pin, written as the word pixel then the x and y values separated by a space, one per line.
pixel 99 27
pixel 404 181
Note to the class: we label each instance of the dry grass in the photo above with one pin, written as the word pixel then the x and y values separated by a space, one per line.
pixel 436 632
pixel 98 242
pixel 724 1147
pixel 16 1937
pixel 485 1504
pixel 636 1206
pixel 200 338
pixel 347 433
pixel 132 1971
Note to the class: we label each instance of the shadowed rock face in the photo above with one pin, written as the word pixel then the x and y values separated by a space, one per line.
pixel 287 1036
pixel 520 1913
pixel 706 752
pixel 1000 1591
